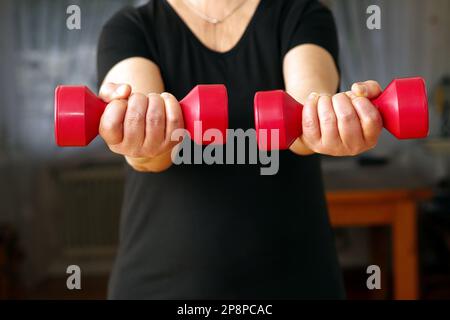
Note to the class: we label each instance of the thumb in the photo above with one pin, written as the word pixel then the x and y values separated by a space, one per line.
pixel 369 89
pixel 110 91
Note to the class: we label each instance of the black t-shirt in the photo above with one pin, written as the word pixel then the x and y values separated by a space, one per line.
pixel 223 231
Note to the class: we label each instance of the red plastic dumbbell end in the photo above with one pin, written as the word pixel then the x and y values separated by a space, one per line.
pixel 78 112
pixel 403 107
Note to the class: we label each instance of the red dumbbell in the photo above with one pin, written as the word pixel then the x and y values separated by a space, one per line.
pixel 403 107
pixel 78 112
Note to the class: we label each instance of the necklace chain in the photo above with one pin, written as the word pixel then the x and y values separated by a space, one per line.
pixel 209 19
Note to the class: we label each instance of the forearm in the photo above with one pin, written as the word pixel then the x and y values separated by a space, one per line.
pixel 144 77
pixel 315 83
pixel 307 69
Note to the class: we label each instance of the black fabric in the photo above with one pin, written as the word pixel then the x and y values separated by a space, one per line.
pixel 223 231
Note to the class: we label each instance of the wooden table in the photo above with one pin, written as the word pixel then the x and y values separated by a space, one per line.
pixel 377 197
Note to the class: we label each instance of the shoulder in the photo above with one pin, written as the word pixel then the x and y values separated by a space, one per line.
pixel 128 33
pixel 306 22
pixel 289 14
pixel 298 8
pixel 130 16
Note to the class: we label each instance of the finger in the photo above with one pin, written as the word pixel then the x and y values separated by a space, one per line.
pixel 134 123
pixel 328 124
pixel 111 122
pixel 348 123
pixel 369 89
pixel 370 118
pixel 110 91
pixel 155 123
pixel 174 116
pixel 310 121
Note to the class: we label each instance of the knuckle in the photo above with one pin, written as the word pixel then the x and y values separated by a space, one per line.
pixel 134 117
pixel 309 124
pixel 374 119
pixel 174 121
pixel 107 127
pixel 155 118
pixel 154 100
pixel 347 117
pixel 328 119
pixel 156 121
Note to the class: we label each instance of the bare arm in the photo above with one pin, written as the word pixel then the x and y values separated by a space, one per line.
pixel 128 126
pixel 334 124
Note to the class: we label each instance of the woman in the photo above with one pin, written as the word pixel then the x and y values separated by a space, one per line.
pixel 225 231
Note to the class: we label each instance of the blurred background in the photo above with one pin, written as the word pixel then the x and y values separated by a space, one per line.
pixel 389 207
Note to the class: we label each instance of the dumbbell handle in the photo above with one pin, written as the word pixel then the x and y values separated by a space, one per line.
pixel 402 105
pixel 78 112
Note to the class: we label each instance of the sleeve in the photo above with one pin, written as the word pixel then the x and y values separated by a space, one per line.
pixel 311 23
pixel 123 36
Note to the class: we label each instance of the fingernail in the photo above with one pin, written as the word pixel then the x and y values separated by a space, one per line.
pixel 360 90
pixel 165 95
pixel 121 90
pixel 313 96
